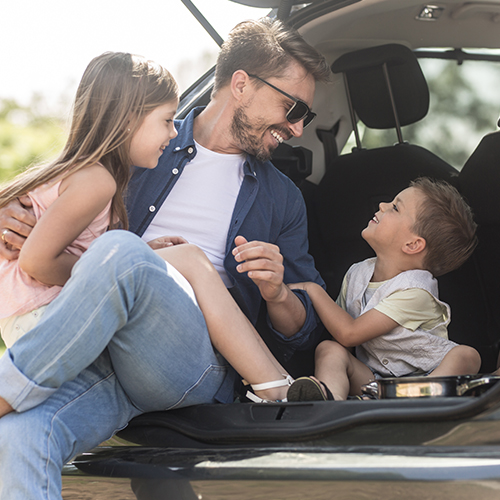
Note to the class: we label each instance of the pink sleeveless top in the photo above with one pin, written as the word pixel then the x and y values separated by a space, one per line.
pixel 19 292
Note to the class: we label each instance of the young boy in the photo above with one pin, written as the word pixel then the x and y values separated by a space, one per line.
pixel 388 307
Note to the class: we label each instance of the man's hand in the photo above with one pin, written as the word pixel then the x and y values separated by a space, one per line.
pixel 16 222
pixel 166 241
pixel 264 264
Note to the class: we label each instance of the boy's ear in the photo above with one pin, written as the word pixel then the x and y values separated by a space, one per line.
pixel 415 246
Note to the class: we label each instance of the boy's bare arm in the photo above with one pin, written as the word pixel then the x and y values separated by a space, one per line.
pixel 342 326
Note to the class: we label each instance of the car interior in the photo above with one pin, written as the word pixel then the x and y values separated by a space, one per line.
pixel 378 82
pixel 386 89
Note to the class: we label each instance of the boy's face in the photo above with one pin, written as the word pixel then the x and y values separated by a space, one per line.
pixel 391 226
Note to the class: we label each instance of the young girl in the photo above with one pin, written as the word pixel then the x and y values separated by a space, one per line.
pixel 123 116
pixel 80 194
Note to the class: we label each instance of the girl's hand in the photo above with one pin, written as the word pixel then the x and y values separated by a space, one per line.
pixel 166 241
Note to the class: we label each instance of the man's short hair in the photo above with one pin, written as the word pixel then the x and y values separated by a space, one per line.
pixel 446 223
pixel 266 48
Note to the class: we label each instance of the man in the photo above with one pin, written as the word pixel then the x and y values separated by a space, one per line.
pixel 119 339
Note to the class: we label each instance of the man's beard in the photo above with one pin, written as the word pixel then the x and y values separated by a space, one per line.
pixel 249 142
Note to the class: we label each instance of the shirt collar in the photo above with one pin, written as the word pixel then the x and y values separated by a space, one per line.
pixel 185 139
pixel 184 127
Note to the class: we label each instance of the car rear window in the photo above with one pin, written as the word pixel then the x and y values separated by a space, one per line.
pixel 464 106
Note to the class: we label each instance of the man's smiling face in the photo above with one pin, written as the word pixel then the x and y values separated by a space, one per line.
pixel 260 125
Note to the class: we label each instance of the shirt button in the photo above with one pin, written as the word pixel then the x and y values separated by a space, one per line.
pixel 175 171
pixel 17 327
pixel 152 208
pixel 177 148
pixel 385 361
pixel 190 150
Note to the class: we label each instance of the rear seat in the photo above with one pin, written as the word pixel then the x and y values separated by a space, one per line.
pixel 476 302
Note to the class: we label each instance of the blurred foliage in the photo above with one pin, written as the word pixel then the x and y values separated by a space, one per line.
pixel 27 136
pixel 464 106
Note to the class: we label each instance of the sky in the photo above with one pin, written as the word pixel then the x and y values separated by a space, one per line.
pixel 46 44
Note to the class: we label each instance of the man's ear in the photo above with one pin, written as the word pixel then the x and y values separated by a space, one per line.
pixel 239 84
pixel 415 246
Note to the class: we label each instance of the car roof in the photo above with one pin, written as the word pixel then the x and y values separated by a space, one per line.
pixel 351 25
pixel 271 4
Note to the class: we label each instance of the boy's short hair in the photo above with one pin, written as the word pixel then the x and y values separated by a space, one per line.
pixel 446 223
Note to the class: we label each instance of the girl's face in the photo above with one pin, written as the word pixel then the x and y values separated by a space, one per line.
pixel 153 136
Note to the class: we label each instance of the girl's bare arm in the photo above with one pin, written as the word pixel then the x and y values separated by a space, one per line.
pixel 82 196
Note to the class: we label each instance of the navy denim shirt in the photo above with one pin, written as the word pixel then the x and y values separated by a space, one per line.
pixel 269 208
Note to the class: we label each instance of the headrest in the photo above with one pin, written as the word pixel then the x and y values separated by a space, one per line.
pixel 479 180
pixel 368 87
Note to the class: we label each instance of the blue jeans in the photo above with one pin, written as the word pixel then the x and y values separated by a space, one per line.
pixel 118 341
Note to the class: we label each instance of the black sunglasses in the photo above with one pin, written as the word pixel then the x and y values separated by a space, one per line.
pixel 299 111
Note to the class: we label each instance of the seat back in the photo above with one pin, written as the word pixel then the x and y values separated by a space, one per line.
pixel 476 305
pixel 349 195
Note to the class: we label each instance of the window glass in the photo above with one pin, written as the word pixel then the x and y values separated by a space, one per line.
pixel 464 106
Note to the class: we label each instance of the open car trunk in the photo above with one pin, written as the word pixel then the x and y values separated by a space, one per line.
pixel 187 442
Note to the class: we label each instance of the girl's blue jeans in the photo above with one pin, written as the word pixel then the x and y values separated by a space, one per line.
pixel 125 336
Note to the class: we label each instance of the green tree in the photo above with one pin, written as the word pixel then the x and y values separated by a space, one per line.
pixel 26 137
pixel 464 106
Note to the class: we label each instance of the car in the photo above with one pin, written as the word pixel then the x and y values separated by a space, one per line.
pixel 375 131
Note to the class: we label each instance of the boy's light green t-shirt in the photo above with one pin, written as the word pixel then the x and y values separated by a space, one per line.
pixel 412 308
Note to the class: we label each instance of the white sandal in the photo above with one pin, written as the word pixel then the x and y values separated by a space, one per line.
pixel 287 381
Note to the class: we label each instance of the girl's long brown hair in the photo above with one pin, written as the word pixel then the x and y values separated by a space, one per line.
pixel 116 92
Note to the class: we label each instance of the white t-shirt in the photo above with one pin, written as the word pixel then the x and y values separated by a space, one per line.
pixel 201 203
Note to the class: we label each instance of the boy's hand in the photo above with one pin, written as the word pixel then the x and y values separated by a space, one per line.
pixel 16 222
pixel 166 241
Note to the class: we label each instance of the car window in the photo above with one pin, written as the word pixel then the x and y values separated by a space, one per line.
pixel 464 106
